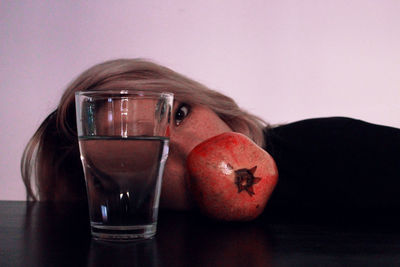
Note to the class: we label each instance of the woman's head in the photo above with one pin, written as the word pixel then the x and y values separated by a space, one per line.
pixel 198 113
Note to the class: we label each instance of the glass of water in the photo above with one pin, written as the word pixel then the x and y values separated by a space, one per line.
pixel 123 140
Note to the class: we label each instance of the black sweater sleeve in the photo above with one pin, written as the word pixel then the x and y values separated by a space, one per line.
pixel 335 164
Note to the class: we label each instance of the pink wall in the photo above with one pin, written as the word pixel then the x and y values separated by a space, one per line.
pixel 283 60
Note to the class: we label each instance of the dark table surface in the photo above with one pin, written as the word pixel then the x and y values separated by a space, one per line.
pixel 43 234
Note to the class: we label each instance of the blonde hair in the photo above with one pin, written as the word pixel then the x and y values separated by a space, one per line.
pixel 51 163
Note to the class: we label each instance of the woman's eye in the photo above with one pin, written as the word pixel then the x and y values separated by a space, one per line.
pixel 181 113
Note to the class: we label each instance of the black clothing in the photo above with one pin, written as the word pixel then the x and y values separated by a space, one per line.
pixel 335 166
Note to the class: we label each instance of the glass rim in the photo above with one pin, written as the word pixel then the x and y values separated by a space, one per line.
pixel 123 93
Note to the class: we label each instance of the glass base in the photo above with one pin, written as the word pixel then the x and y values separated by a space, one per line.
pixel 123 233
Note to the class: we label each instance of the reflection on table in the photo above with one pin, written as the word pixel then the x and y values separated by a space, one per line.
pixel 44 234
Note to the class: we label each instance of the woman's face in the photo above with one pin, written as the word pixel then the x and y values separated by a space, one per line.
pixel 190 126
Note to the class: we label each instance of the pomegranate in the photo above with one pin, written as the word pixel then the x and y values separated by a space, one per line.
pixel 230 177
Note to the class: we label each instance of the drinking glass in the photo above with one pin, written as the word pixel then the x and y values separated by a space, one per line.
pixel 123 140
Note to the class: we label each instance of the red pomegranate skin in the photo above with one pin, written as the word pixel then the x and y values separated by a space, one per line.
pixel 230 177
